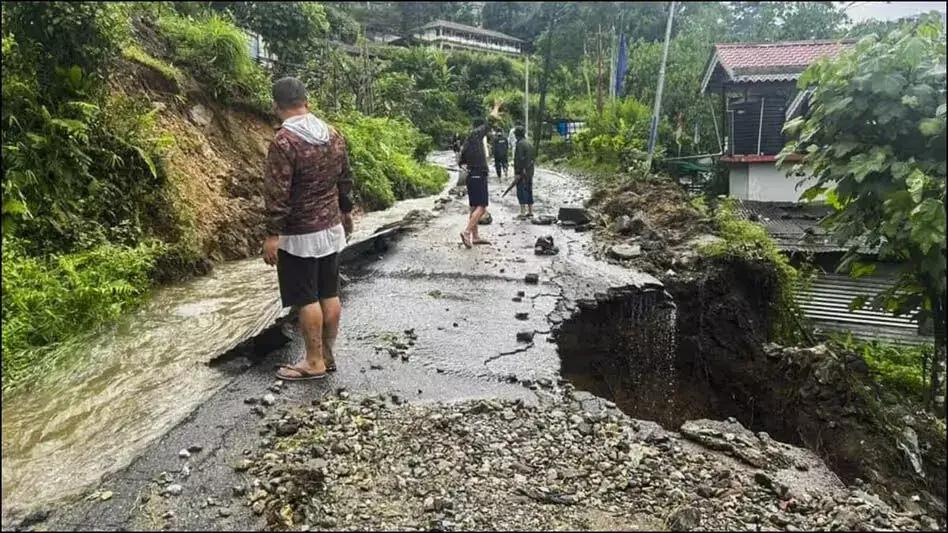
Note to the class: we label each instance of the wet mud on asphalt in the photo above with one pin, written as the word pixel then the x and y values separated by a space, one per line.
pixel 460 304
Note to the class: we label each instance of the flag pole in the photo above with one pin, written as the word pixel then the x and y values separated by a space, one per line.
pixel 653 134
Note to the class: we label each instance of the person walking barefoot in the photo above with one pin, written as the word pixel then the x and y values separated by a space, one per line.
pixel 474 160
pixel 307 183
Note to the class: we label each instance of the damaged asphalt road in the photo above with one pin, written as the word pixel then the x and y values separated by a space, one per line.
pixel 461 306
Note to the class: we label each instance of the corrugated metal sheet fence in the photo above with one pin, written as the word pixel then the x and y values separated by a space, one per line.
pixel 825 302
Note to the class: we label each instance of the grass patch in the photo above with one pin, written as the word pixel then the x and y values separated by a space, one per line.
pixel 216 52
pixel 744 240
pixel 170 72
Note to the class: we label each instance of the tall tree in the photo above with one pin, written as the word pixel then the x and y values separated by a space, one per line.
pixel 786 21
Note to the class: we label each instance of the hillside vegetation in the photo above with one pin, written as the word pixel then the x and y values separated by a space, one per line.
pixel 133 141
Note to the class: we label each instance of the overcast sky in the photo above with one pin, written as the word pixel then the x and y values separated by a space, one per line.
pixel 860 11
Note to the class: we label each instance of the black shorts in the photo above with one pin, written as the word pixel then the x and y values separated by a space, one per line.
pixel 477 187
pixel 306 280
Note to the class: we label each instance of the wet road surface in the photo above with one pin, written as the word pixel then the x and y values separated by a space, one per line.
pixel 458 301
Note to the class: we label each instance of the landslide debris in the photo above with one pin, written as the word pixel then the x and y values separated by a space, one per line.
pixel 500 465
pixel 648 224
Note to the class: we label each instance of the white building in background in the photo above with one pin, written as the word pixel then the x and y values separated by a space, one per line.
pixel 259 51
pixel 446 34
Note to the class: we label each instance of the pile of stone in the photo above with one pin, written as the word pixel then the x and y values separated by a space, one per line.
pixel 489 464
pixel 399 346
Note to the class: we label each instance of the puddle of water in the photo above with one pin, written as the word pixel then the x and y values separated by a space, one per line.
pixel 137 379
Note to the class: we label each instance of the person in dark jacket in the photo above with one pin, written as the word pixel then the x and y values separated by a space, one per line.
pixel 500 149
pixel 474 160
pixel 523 173
pixel 307 181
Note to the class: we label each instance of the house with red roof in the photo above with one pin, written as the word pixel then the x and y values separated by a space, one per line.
pixel 757 83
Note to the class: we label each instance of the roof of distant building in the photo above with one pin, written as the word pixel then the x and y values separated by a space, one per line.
pixel 769 62
pixel 795 227
pixel 471 29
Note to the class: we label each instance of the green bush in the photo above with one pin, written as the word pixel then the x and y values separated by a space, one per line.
pixel 77 171
pixel 290 29
pixel 511 105
pixel 387 157
pixel 899 368
pixel 746 241
pixel 618 137
pixel 46 301
pixel 218 54
pixel 61 35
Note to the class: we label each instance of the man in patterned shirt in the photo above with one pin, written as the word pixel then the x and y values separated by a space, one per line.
pixel 307 185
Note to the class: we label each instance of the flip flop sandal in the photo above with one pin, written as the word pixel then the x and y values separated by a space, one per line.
pixel 303 375
pixel 466 240
pixel 481 241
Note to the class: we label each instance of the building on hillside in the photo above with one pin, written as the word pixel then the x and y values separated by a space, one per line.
pixel 757 84
pixel 758 87
pixel 259 51
pixel 444 34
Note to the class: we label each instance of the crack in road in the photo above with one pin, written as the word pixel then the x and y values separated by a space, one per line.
pixel 522 349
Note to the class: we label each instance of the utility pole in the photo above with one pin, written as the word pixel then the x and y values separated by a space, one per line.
pixel 653 134
pixel 589 93
pixel 599 78
pixel 613 55
pixel 526 99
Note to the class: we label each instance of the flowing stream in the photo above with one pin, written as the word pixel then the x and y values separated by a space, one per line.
pixel 133 381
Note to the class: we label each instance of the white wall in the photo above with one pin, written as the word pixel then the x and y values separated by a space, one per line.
pixel 737 186
pixel 767 183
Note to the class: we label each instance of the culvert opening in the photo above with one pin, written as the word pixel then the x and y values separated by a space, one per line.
pixel 697 349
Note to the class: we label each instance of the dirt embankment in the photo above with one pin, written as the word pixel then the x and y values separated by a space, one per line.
pixel 215 163
pixel 724 367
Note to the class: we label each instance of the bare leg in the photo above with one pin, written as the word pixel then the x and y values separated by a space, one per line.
pixel 476 215
pixel 311 325
pixel 331 309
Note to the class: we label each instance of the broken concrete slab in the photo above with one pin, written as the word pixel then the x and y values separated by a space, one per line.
pixel 734 439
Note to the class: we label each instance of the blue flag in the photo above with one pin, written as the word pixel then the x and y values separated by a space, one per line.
pixel 620 70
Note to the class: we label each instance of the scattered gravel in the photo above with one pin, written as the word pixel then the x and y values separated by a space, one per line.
pixel 362 464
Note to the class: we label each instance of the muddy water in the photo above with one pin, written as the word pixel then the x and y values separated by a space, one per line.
pixel 132 382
